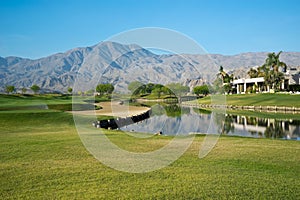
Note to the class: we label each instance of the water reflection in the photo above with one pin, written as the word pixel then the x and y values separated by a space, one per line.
pixel 173 119
pixel 266 127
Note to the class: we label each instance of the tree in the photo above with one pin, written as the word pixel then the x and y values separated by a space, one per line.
pixel 9 89
pixel 225 77
pixel 157 89
pixel 89 92
pixel 140 90
pixel 270 70
pixel 178 89
pixel 253 73
pixel 134 86
pixel 203 89
pixel 109 88
pixel 223 82
pixel 105 88
pixel 157 92
pixel 35 88
pixel 24 90
pixel 70 90
pixel 227 88
pixel 273 62
pixel 148 89
pixel 101 89
pixel 218 85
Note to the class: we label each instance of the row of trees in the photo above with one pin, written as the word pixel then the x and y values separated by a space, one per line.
pixel 10 89
pixel 103 89
pixel 173 89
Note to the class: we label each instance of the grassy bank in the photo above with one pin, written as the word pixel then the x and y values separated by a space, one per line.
pixel 258 100
pixel 42 157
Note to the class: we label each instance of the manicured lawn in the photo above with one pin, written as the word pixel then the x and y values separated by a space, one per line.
pixel 45 102
pixel 8 102
pixel 42 157
pixel 258 100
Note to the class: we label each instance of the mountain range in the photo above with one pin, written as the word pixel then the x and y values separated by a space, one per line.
pixel 119 64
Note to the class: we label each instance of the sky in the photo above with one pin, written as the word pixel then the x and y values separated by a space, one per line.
pixel 38 28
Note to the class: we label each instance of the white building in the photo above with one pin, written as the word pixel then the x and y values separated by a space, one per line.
pixel 292 77
pixel 242 84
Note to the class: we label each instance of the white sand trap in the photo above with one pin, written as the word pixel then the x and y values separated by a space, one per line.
pixel 114 109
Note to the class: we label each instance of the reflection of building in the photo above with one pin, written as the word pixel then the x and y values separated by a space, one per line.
pixel 266 127
pixel 241 122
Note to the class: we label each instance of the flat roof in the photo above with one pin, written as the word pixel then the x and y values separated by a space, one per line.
pixel 249 80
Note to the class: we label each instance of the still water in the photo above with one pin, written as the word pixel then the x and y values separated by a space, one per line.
pixel 173 119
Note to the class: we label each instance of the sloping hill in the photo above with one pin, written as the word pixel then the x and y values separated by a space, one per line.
pixel 120 64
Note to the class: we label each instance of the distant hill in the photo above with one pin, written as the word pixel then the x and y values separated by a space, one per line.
pixel 120 64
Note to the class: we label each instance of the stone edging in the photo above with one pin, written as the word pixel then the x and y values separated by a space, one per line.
pixel 253 108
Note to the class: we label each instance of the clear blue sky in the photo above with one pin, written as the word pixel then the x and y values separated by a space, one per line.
pixel 37 28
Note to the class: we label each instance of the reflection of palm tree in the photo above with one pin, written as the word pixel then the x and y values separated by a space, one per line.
pixel 224 123
pixel 251 120
pixel 228 125
pixel 274 131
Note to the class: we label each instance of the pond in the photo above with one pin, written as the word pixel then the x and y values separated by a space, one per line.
pixel 173 119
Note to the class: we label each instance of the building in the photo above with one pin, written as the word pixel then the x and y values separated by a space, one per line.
pixel 243 85
pixel 293 75
pixel 255 84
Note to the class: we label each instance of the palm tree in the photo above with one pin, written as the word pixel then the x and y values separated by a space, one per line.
pixel 253 73
pixel 270 70
pixel 273 62
pixel 261 71
pixel 225 77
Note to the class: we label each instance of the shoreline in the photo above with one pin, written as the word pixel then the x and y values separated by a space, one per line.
pixel 281 109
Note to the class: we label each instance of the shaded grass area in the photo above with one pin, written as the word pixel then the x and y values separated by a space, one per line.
pixel 42 157
pixel 258 100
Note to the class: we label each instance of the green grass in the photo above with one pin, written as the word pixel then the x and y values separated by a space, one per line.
pixel 258 100
pixel 45 102
pixel 42 157
pixel 250 113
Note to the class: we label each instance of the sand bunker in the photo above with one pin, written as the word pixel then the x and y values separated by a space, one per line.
pixel 114 109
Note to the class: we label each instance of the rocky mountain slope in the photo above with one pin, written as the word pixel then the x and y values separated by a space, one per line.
pixel 84 68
